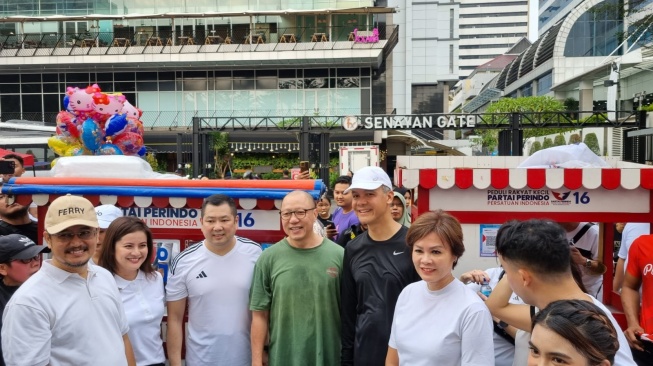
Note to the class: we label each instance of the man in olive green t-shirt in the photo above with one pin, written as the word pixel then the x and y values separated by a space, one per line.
pixel 295 294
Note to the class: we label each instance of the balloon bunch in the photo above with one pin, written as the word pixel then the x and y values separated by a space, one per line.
pixel 96 123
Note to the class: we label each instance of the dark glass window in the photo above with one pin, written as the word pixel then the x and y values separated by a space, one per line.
pixel 10 78
pixel 52 88
pixel 50 78
pixel 143 86
pixel 9 88
pixel 31 88
pixel 125 86
pixel 78 78
pixel 243 84
pixel 9 104
pixel 32 103
pixel 166 86
pixel 427 98
pixel 124 76
pixel 144 76
pixel 167 75
pixel 31 78
pixel 51 103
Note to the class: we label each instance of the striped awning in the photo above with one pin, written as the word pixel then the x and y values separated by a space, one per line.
pixel 533 178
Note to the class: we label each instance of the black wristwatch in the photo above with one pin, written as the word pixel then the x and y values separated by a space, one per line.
pixel 588 263
pixel 501 324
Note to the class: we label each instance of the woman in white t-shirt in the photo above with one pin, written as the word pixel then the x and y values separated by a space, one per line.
pixel 126 253
pixel 439 321
pixel 572 332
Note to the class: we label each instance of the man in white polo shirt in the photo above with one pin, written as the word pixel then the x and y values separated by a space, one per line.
pixel 68 313
pixel 214 277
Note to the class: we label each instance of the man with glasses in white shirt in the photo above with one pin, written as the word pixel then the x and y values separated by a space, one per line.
pixel 70 312
pixel 295 296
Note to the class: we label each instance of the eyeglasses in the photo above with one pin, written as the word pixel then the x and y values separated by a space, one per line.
pixel 29 260
pixel 68 236
pixel 300 214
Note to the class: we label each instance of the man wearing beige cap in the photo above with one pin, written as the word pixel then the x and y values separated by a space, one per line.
pixel 70 312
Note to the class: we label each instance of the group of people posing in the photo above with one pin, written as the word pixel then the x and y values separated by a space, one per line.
pixel 386 296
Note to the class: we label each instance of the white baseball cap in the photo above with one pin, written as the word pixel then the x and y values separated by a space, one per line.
pixel 106 214
pixel 369 178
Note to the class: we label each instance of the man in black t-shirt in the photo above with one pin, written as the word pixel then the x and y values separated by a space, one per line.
pixel 19 259
pixel 15 219
pixel 377 266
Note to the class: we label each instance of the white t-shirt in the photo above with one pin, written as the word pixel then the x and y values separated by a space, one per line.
pixel 59 318
pixel 632 231
pixel 217 288
pixel 447 327
pixel 503 350
pixel 590 242
pixel 144 303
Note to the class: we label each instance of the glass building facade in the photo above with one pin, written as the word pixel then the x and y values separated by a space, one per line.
pixel 597 32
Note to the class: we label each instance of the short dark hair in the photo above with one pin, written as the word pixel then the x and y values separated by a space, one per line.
pixel 539 245
pixel 444 225
pixel 217 200
pixel 343 179
pixel 18 158
pixel 116 231
pixel 286 172
pixel 584 325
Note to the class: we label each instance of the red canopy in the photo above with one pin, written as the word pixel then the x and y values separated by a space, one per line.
pixel 27 158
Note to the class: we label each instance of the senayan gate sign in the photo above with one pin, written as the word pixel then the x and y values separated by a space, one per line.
pixel 409 122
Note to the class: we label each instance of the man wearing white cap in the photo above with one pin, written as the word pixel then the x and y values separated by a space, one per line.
pixel 376 267
pixel 70 312
pixel 105 216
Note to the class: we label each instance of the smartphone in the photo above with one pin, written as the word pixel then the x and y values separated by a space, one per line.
pixel 7 166
pixel 303 166
pixel 328 223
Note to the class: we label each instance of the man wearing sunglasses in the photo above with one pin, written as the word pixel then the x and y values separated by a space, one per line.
pixel 70 312
pixel 14 218
pixel 20 258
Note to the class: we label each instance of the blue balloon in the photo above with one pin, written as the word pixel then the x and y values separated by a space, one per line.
pixel 109 149
pixel 115 124
pixel 65 101
pixel 92 136
pixel 142 151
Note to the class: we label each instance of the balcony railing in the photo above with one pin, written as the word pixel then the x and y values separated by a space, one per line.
pixel 220 40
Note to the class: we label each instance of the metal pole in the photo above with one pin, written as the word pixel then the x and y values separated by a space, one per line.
pixel 304 139
pixel 324 157
pixel 180 151
pixel 196 147
pixel 516 141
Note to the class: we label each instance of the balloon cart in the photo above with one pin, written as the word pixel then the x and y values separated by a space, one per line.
pixel 492 190
pixel 171 208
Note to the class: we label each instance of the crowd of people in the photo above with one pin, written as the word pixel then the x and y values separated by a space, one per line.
pixel 358 285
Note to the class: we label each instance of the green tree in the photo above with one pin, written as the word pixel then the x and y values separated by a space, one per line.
pixel 559 140
pixel 574 139
pixel 535 147
pixel 499 113
pixel 222 153
pixel 151 159
pixel 592 143
pixel 547 143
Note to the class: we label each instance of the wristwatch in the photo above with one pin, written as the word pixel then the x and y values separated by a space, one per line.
pixel 588 263
pixel 501 324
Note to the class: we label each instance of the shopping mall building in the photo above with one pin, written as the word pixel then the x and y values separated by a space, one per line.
pixel 203 58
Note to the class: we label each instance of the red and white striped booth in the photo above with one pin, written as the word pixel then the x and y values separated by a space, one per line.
pixel 499 191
